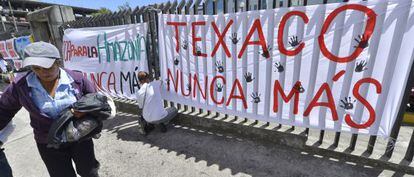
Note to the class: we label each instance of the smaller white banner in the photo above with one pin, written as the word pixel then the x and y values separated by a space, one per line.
pixel 110 57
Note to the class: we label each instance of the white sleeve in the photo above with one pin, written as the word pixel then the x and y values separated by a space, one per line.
pixel 6 131
pixel 139 95
pixel 137 98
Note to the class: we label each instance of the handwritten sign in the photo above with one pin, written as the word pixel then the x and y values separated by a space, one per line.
pixel 110 57
pixel 11 50
pixel 3 49
pixel 340 66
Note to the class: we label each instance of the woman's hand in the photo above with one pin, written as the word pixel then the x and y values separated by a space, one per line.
pixel 77 114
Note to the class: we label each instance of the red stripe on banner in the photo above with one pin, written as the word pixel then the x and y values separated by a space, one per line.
pixel 338 75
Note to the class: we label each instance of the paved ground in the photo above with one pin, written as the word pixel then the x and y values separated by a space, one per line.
pixel 183 152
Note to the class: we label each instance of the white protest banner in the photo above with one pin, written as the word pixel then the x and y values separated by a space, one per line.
pixel 3 49
pixel 11 50
pixel 340 66
pixel 110 57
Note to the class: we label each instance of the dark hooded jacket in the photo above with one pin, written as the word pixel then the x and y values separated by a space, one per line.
pixel 18 95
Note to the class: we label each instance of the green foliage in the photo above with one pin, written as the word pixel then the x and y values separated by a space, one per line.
pixel 102 11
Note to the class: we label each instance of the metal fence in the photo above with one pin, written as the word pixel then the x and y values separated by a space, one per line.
pixel 149 14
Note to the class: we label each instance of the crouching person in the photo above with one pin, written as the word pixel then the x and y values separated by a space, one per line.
pixel 150 101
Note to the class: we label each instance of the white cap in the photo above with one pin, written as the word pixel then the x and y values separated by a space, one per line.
pixel 41 54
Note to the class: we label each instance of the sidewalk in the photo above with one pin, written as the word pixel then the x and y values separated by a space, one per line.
pixel 182 152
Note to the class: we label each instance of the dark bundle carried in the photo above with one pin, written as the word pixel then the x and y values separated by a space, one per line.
pixel 68 128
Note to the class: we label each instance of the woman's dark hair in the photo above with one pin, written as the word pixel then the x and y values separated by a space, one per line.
pixel 142 76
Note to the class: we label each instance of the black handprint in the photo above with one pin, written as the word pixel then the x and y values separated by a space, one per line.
pixel 198 53
pixel 348 103
pixel 265 53
pixel 256 97
pixel 293 41
pixel 298 87
pixel 248 77
pixel 234 38
pixel 188 87
pixel 279 67
pixel 185 45
pixel 219 87
pixel 176 61
pixel 219 66
pixel 361 66
pixel 362 41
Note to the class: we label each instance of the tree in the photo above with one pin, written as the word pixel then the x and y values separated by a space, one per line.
pixel 101 11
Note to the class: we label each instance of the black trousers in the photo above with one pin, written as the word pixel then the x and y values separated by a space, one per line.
pixel 5 170
pixel 59 161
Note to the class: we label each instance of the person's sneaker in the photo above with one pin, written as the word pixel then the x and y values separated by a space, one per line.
pixel 141 126
pixel 141 130
pixel 163 127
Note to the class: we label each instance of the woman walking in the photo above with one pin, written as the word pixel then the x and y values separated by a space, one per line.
pixel 44 92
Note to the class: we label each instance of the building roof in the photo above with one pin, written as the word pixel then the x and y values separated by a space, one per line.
pixel 16 13
pixel 36 4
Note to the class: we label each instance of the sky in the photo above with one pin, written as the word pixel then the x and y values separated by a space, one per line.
pixel 110 4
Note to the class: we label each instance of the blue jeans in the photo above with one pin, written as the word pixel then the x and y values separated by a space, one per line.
pixel 5 169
